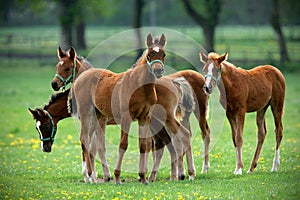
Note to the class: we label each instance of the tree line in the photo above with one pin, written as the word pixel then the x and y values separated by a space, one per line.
pixel 73 15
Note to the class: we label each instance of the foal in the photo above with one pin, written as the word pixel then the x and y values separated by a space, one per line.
pixel 244 91
pixel 126 97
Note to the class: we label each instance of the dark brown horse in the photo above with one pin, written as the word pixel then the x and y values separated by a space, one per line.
pixel 46 124
pixel 48 117
pixel 244 91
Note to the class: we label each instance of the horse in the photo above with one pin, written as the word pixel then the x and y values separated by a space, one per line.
pixel 243 91
pixel 48 117
pixel 195 80
pixel 127 97
pixel 58 108
pixel 69 66
pixel 46 124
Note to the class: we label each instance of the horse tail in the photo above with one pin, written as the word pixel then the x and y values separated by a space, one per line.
pixel 186 98
pixel 72 103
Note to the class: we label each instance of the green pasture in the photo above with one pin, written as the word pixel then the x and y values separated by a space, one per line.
pixel 28 173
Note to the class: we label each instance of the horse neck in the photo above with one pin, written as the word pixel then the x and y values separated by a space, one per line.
pixel 81 67
pixel 58 109
pixel 143 73
pixel 227 77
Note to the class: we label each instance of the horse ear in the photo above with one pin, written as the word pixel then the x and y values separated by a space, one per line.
pixel 149 41
pixel 60 53
pixel 223 57
pixel 35 113
pixel 203 57
pixel 163 40
pixel 72 53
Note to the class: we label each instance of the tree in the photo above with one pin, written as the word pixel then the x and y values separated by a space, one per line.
pixel 137 23
pixel 275 22
pixel 66 20
pixel 207 19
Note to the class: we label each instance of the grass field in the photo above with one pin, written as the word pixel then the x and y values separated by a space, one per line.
pixel 28 173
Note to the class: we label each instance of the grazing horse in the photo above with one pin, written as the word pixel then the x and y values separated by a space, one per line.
pixel 48 117
pixel 127 97
pixel 46 124
pixel 244 91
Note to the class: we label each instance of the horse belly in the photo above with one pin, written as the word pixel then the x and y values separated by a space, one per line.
pixel 259 97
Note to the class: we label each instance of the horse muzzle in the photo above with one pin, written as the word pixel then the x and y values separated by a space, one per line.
pixel 159 72
pixel 47 146
pixel 208 89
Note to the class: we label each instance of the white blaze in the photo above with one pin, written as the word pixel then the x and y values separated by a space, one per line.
pixel 156 49
pixel 61 63
pixel 209 74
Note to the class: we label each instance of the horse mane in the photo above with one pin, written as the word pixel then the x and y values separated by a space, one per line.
pixel 84 62
pixel 140 59
pixel 213 56
pixel 55 97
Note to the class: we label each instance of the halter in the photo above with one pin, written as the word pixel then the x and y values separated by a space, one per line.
pixel 53 132
pixel 218 79
pixel 67 80
pixel 152 62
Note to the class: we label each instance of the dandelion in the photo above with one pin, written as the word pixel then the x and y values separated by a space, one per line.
pixel 10 135
pixel 119 193
pixel 195 194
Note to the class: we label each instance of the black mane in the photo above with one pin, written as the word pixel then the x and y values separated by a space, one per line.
pixel 56 96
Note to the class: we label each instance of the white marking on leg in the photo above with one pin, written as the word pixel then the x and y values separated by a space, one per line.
pixel 238 171
pixel 205 167
pixel 276 161
pixel 85 172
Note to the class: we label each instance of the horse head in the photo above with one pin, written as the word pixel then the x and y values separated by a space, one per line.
pixel 156 54
pixel 212 70
pixel 45 127
pixel 65 68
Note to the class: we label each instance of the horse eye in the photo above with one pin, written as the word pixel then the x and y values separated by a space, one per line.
pixel 47 127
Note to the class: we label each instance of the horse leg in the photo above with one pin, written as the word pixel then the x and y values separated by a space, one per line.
pixel 189 153
pixel 239 143
pixel 236 124
pixel 158 152
pixel 122 149
pixel 205 133
pixel 86 162
pixel 145 142
pixel 181 141
pixel 125 126
pixel 261 133
pixel 102 149
pixel 277 110
pixel 92 154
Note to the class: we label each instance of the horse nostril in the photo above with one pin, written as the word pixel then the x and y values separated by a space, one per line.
pixel 207 89
pixel 55 86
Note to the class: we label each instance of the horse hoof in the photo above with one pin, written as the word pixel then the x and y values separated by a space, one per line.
pixel 181 177
pixel 238 172
pixel 107 179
